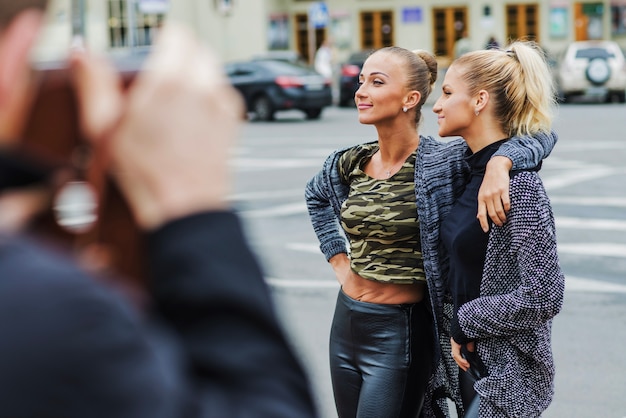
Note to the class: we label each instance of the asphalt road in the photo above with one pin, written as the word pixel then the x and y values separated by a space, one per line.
pixel 586 180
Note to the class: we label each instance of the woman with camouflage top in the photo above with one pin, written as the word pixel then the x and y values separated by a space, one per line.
pixel 383 356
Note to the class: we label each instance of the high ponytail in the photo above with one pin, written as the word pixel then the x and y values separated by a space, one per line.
pixel 519 81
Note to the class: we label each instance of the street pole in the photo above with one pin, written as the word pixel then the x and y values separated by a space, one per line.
pixel 311 39
pixel 78 18
pixel 132 23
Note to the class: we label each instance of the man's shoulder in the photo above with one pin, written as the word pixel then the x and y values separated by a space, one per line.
pixel 34 270
pixel 26 257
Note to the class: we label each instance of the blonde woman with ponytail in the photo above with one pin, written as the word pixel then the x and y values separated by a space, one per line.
pixel 504 285
pixel 376 209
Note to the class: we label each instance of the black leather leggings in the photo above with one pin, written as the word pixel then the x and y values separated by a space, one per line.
pixel 380 358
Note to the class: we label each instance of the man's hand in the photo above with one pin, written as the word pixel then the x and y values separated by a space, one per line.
pixel 168 137
pixel 493 195
pixel 18 207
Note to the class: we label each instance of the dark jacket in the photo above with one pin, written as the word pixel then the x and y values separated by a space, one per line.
pixel 211 345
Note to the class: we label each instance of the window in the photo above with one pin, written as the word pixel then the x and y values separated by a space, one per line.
pixel 376 29
pixel 449 24
pixel 144 28
pixel 302 37
pixel 522 22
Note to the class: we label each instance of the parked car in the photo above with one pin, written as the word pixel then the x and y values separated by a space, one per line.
pixel 281 55
pixel 349 77
pixel 594 69
pixel 268 86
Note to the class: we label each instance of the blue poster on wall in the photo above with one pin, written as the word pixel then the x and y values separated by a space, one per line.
pixel 412 15
pixel 318 15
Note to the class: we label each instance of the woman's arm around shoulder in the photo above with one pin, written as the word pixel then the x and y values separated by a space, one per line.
pixel 520 152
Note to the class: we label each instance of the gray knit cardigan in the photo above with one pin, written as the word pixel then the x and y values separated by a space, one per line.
pixel 522 286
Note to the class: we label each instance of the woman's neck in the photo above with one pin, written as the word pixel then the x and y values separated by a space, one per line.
pixel 396 145
pixel 481 138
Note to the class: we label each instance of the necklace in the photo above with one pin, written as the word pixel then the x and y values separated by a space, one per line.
pixel 391 170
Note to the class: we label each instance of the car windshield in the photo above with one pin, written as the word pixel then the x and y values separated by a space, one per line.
pixel 359 57
pixel 285 68
pixel 590 53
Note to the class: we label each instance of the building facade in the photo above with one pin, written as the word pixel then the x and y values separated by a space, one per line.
pixel 238 29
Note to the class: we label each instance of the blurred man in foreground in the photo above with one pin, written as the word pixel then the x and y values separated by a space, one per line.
pixel 211 344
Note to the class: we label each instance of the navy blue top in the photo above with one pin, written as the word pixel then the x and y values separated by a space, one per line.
pixel 465 240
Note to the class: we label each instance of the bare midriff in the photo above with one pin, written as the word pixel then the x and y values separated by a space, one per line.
pixel 364 290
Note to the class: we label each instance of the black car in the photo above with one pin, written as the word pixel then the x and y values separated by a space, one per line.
pixel 349 77
pixel 268 86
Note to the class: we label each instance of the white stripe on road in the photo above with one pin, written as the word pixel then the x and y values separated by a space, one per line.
pixel 269 194
pixel 577 284
pixel 256 164
pixel 610 201
pixel 584 145
pixel 304 247
pixel 588 249
pixel 590 224
pixel 572 284
pixel 276 211
pixel 569 178
pixel 594 249
pixel 303 284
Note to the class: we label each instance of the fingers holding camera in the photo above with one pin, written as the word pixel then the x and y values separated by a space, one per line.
pixel 170 147
pixel 99 93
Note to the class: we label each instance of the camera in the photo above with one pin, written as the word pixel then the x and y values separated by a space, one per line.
pixel 98 213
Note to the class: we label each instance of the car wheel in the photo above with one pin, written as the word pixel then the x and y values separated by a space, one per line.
pixel 263 108
pixel 598 71
pixel 313 113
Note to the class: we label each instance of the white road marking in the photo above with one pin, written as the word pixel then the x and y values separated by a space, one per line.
pixel 608 201
pixel 257 164
pixel 590 224
pixel 572 284
pixel 303 284
pixel 569 178
pixel 594 249
pixel 276 211
pixel 269 194
pixel 577 284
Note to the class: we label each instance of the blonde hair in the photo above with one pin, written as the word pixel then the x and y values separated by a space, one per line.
pixel 519 81
pixel 421 72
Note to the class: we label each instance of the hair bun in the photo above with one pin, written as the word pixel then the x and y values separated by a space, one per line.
pixel 431 63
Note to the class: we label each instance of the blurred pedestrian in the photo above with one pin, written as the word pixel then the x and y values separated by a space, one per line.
pixel 462 45
pixel 505 285
pixel 383 356
pixel 210 343
pixel 492 43
pixel 324 59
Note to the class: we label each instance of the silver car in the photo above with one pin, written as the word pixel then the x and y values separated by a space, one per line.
pixel 594 69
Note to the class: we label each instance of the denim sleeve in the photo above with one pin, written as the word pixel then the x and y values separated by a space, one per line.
pixel 527 151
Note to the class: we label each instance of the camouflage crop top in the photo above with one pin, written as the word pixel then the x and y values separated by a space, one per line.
pixel 380 220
